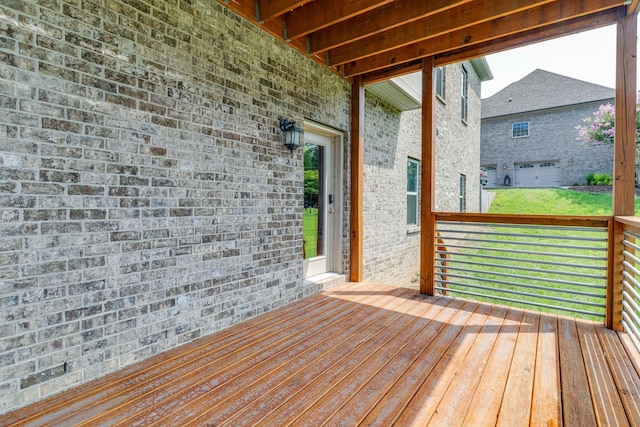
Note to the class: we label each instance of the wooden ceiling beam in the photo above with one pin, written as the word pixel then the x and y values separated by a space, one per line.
pixel 388 73
pixel 502 27
pixel 632 7
pixel 561 29
pixel 269 9
pixel 375 21
pixel 273 26
pixel 431 26
pixel 320 14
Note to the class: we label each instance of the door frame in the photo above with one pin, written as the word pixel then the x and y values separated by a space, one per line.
pixel 334 244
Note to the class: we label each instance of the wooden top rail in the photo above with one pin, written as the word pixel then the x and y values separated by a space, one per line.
pixel 568 221
pixel 632 221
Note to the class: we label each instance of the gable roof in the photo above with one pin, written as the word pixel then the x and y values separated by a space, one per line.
pixel 541 90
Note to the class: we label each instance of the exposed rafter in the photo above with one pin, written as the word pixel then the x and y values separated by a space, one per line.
pixel 382 38
pixel 322 14
pixel 376 21
pixel 431 26
pixel 269 9
pixel 505 26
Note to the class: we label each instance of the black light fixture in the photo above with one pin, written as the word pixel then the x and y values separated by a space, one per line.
pixel 290 134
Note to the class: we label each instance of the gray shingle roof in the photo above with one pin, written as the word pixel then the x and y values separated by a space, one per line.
pixel 540 90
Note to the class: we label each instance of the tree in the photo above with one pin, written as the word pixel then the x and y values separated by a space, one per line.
pixel 601 128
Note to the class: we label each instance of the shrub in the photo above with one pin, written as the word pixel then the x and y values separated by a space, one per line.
pixel 599 179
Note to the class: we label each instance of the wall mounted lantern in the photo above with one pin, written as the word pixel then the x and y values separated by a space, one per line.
pixel 290 134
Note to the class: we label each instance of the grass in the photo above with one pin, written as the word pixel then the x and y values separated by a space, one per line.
pixel 310 232
pixel 552 201
pixel 482 271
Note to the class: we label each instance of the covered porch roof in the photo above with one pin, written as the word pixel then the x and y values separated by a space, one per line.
pixel 382 38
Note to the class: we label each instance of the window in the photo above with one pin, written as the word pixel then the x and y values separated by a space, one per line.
pixel 464 99
pixel 548 165
pixel 520 130
pixel 440 82
pixel 413 168
pixel 463 193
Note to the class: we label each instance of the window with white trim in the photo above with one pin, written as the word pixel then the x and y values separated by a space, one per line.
pixel 413 171
pixel 464 95
pixel 520 130
pixel 463 193
pixel 440 79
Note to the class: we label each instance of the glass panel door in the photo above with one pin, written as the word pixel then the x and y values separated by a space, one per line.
pixel 318 203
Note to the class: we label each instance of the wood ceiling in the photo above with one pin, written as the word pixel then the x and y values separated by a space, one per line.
pixel 381 38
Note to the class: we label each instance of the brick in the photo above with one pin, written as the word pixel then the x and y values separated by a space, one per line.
pixel 43 376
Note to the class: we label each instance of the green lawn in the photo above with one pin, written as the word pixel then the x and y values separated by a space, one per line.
pixel 485 264
pixel 552 201
pixel 310 232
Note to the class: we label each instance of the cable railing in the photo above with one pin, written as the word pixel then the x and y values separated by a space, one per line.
pixel 631 280
pixel 538 262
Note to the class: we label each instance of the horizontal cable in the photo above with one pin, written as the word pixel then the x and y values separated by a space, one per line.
pixel 531 236
pixel 631 234
pixel 514 242
pixel 531 303
pixel 518 251
pixel 525 226
pixel 520 276
pixel 536 270
pixel 632 305
pixel 531 261
pixel 632 256
pixel 631 330
pixel 509 291
pixel 632 316
pixel 524 285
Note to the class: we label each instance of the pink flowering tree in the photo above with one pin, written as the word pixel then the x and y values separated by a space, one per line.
pixel 601 127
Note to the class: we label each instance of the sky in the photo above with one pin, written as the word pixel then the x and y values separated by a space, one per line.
pixel 588 56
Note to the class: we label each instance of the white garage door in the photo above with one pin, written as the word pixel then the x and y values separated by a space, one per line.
pixel 542 174
pixel 490 173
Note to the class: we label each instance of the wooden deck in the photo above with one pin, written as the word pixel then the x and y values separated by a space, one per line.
pixel 372 355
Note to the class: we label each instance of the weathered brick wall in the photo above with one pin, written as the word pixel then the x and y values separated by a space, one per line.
pixel 390 254
pixel 458 142
pixel 145 196
pixel 552 137
pixel 392 251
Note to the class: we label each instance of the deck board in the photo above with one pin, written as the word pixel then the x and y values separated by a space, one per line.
pixel 371 354
pixel 577 406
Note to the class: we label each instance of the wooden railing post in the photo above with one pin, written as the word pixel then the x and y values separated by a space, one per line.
pixel 613 314
pixel 623 154
pixel 356 238
pixel 427 184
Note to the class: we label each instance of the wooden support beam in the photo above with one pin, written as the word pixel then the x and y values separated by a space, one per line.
pixel 376 21
pixel 537 17
pixel 323 13
pixel 560 29
pixel 428 181
pixel 429 27
pixel 356 241
pixel 625 133
pixel 623 153
pixel 269 9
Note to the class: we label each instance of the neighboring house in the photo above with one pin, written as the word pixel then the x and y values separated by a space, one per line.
pixel 529 136
pixel 147 198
